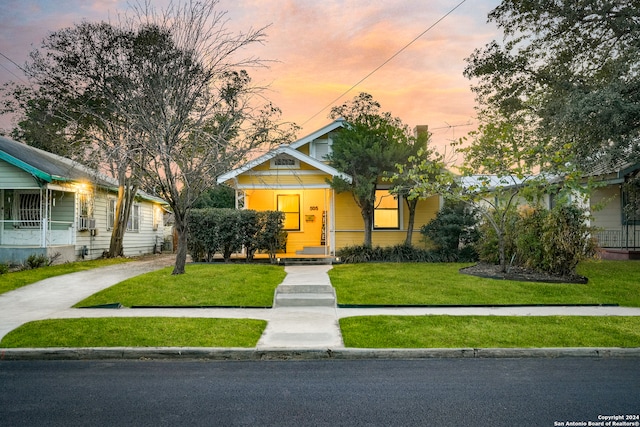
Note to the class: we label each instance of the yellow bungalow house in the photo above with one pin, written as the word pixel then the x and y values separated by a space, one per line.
pixel 293 179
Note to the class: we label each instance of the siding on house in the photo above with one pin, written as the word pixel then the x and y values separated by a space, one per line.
pixel 12 177
pixel 284 178
pixel 350 226
pixel 135 242
pixel 610 215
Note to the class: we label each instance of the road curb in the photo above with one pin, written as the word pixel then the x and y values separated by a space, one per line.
pixel 175 353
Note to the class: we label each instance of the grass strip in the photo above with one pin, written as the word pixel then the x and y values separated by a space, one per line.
pixel 11 281
pixel 136 332
pixel 202 285
pixel 490 331
pixel 610 282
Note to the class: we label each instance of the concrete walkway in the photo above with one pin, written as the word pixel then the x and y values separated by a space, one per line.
pixel 289 327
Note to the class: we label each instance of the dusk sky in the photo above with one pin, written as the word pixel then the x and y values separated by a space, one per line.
pixel 322 48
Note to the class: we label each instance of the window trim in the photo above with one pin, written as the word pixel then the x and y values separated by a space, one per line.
pixel 298 212
pixel 135 216
pixel 397 209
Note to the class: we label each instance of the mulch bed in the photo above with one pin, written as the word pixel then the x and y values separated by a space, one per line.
pixel 492 271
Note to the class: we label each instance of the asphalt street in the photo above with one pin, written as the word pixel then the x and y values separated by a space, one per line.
pixel 434 392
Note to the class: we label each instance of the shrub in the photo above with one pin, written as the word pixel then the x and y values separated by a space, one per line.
pixel 487 245
pixel 226 231
pixel 553 241
pixel 566 239
pixel 36 261
pixel 398 253
pixel 528 244
pixel 4 268
pixel 453 232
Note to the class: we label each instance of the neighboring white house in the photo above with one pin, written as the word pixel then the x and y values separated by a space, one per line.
pixel 614 205
pixel 53 206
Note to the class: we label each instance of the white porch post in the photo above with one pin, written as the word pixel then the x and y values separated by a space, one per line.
pixel 332 222
pixel 44 215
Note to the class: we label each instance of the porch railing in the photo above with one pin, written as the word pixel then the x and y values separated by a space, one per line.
pixel 48 233
pixel 627 237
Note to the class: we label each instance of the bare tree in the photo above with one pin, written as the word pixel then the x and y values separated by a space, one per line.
pixel 162 100
pixel 197 107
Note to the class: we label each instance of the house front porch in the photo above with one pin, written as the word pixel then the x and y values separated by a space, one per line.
pixel 620 244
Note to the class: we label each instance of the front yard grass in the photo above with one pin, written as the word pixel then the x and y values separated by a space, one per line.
pixel 229 285
pixel 610 282
pixel 15 280
pixel 489 331
pixel 136 332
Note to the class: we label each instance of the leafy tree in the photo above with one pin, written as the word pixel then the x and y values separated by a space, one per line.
pixel 369 147
pixel 430 165
pixel 82 82
pixel 569 69
pixel 219 196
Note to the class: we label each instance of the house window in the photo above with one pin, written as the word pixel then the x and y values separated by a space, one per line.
pixel 386 214
pixel 290 205
pixel 29 210
pixel 321 149
pixel 85 219
pixel 285 162
pixel 134 218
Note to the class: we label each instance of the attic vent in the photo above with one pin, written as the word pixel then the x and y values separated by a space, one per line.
pixel 285 162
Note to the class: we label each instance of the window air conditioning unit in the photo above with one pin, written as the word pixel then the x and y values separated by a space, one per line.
pixel 86 223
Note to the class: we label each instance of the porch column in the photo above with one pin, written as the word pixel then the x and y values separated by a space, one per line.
pixel 44 215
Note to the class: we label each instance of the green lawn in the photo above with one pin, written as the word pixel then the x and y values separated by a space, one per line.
pixel 610 282
pixel 489 331
pixel 136 332
pixel 240 285
pixel 11 281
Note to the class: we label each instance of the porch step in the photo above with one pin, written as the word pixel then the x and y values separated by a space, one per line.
pixel 307 260
pixel 312 250
pixel 305 296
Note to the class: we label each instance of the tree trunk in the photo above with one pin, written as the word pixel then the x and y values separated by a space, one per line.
pixel 411 205
pixel 367 217
pixel 501 252
pixel 126 194
pixel 181 251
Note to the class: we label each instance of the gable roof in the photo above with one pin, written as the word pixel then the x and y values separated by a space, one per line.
pixel 45 166
pixel 288 150
pixel 337 123
pixel 49 167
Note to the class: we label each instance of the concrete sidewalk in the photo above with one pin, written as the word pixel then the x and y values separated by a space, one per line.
pixel 305 328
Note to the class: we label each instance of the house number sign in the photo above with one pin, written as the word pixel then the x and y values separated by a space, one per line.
pixel 313 208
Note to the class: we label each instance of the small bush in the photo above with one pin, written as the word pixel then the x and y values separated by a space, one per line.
pixel 566 239
pixel 4 268
pixel 488 247
pixel 453 232
pixel 398 253
pixel 36 261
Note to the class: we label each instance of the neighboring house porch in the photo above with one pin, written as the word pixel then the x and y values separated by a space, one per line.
pixel 54 207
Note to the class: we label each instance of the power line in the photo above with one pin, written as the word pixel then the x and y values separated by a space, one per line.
pixel 386 62
pixel 14 63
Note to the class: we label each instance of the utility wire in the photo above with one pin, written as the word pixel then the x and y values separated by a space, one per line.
pixel 385 62
pixel 14 63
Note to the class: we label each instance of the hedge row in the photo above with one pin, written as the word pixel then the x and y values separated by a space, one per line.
pixel 226 231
